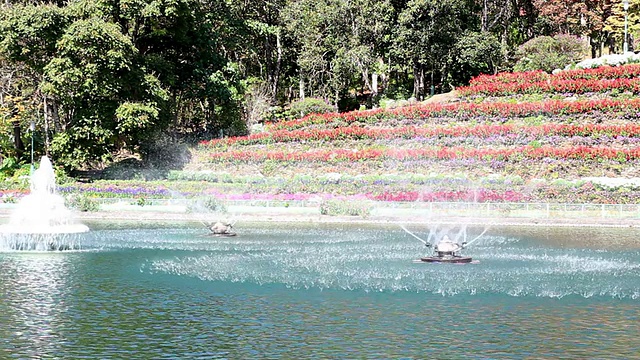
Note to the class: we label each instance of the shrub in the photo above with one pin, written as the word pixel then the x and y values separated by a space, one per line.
pixel 207 204
pixel 549 53
pixel 348 103
pixel 18 179
pixel 8 199
pixel 308 106
pixel 344 207
pixel 7 168
pixel 82 203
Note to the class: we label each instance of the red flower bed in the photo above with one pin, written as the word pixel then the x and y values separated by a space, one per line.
pixel 508 77
pixel 440 153
pixel 577 86
pixel 462 110
pixel 604 72
pixel 628 71
pixel 409 132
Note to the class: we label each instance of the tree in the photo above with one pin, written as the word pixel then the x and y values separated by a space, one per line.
pixel 549 53
pixel 473 54
pixel 113 75
pixel 426 35
pixel 108 103
pixel 29 33
pixel 340 43
pixel 261 46
pixel 577 17
pixel 27 43
pixel 562 16
pixel 614 25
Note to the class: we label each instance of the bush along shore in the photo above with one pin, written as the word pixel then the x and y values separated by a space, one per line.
pixel 572 137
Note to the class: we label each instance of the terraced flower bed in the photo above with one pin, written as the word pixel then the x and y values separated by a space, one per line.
pixel 192 186
pixel 516 109
pixel 544 147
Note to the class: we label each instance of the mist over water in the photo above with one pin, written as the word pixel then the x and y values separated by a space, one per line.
pixel 322 291
pixel 375 260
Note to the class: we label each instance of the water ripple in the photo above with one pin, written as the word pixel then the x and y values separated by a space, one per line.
pixel 373 262
pixel 325 293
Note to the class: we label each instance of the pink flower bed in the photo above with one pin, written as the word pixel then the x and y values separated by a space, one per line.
pixel 479 195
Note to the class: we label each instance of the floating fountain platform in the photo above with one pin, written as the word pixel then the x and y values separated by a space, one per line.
pixel 224 235
pixel 447 259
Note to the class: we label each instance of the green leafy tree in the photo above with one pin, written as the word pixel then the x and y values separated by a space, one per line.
pixel 182 43
pixel 259 43
pixel 473 54
pixel 425 38
pixel 614 25
pixel 28 36
pixel 112 104
pixel 341 43
pixel 116 76
pixel 29 33
pixel 513 22
pixel 550 53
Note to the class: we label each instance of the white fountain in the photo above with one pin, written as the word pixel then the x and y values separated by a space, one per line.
pixel 41 221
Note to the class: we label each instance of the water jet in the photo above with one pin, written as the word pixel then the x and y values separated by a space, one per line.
pixel 41 221
pixel 446 250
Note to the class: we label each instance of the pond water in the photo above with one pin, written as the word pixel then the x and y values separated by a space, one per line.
pixel 322 291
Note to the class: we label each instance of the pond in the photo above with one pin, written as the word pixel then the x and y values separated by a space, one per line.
pixel 322 291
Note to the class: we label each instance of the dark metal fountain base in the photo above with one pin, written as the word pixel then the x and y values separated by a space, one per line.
pixel 228 234
pixel 447 259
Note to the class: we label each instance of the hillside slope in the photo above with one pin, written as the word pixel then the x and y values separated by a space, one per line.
pixel 522 137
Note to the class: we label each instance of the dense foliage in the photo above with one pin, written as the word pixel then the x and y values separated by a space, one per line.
pixel 549 53
pixel 103 80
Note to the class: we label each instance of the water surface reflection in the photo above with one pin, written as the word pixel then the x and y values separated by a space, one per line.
pixel 33 299
pixel 321 292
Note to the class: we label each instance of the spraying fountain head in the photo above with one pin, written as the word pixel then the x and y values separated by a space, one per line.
pixel 41 221
pixel 446 249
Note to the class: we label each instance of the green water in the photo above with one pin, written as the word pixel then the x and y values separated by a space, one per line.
pixel 321 291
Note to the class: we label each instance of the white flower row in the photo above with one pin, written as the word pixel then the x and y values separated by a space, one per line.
pixel 611 60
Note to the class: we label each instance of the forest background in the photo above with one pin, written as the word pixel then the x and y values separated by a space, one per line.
pixel 90 83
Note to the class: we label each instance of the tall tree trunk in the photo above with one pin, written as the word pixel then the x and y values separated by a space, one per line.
pixel 301 87
pixel 364 72
pixel 276 75
pixel 374 84
pixel 421 84
pixel 418 81
pixel 17 138
pixel 55 117
pixel 485 9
